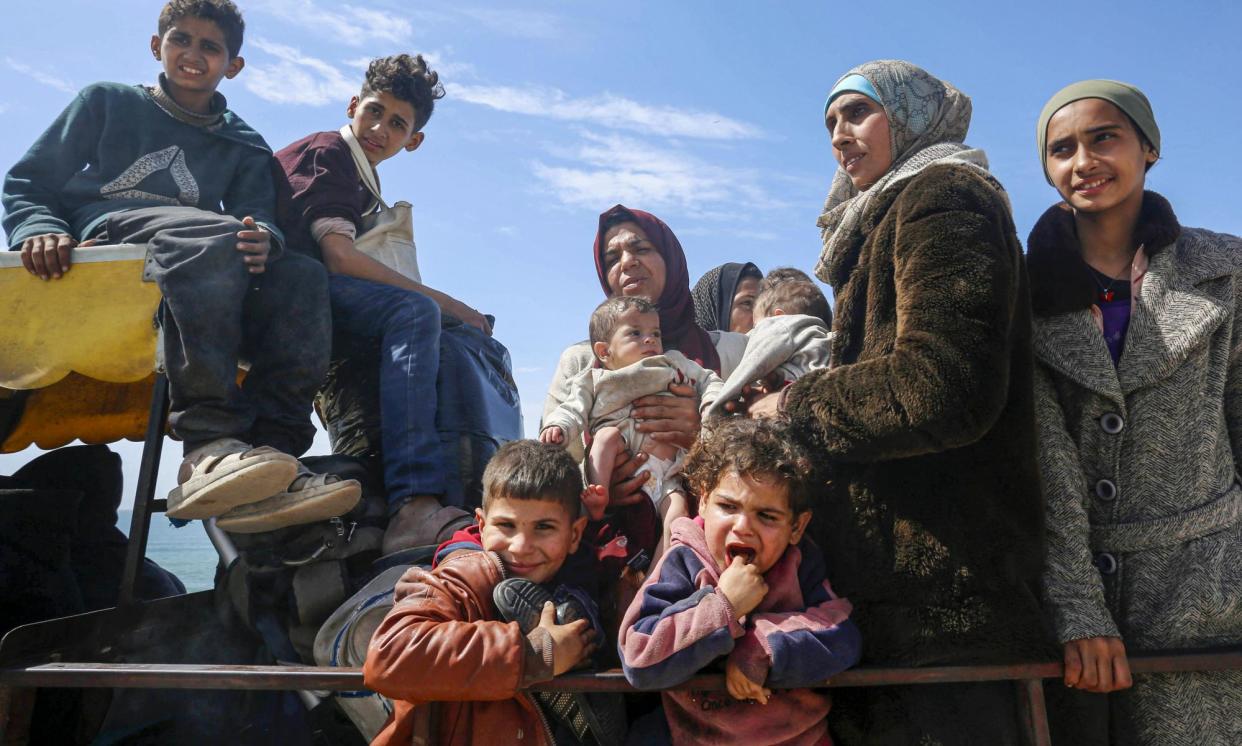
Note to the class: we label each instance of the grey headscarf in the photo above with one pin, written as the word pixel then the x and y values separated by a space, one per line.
pixel 713 293
pixel 927 120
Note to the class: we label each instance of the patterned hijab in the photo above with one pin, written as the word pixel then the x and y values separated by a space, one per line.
pixel 713 293
pixel 927 120
pixel 677 324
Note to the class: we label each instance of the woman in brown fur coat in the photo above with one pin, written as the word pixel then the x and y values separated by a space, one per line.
pixel 932 521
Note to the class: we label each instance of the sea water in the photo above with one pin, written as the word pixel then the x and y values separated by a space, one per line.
pixel 185 552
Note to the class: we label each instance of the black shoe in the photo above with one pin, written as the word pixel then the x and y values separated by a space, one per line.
pixel 519 600
pixel 592 718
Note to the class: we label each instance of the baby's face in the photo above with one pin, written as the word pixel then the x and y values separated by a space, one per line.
pixel 749 517
pixel 636 336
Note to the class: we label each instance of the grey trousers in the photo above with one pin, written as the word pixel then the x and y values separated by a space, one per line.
pixel 216 313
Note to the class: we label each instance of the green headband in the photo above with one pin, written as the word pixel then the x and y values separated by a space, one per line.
pixel 1122 95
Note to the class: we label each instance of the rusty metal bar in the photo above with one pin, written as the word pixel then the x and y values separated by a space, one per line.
pixel 144 497
pixel 191 676
pixel 1033 712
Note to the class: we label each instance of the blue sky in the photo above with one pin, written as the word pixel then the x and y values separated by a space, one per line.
pixel 708 114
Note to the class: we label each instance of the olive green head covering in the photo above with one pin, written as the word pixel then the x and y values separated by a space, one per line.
pixel 1122 95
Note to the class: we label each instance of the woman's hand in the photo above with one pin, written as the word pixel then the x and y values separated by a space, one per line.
pixel 1097 664
pixel 625 488
pixel 670 419
pixel 759 399
pixel 764 405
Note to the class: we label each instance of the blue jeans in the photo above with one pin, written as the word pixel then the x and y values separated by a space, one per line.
pixel 407 325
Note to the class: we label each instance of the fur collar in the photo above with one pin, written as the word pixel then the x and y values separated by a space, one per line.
pixel 1060 279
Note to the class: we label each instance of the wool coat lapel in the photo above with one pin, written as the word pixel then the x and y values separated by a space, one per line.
pixel 1072 344
pixel 1176 312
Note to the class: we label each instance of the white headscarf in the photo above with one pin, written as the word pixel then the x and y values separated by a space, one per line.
pixel 927 121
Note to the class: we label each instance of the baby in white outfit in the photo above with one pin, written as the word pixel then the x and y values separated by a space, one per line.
pixel 625 338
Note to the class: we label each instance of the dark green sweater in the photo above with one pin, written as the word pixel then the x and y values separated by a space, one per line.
pixel 113 148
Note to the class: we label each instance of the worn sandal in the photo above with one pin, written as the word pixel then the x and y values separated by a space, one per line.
pixel 308 498
pixel 225 474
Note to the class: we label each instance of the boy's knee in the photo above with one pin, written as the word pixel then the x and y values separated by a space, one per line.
pixel 418 309
pixel 302 272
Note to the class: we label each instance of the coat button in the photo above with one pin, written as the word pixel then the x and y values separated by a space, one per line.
pixel 1106 490
pixel 1112 423
pixel 1106 563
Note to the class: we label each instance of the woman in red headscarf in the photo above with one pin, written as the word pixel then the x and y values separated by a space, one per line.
pixel 636 254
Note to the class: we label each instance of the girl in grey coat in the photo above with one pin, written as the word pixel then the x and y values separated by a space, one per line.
pixel 1138 345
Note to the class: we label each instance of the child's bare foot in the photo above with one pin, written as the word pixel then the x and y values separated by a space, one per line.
pixel 594 501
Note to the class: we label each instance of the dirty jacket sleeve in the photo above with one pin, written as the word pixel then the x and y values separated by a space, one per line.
pixel 573 413
pixel 1072 586
pixel 801 647
pixel 794 344
pixel 434 644
pixel 945 381
pixel 707 384
pixel 674 628
pixel 575 358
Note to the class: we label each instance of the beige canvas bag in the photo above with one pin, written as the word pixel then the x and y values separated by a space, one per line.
pixel 388 233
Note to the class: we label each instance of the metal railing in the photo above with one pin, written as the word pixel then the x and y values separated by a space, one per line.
pixel 1027 677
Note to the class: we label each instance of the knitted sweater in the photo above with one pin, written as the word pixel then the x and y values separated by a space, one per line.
pixel 114 148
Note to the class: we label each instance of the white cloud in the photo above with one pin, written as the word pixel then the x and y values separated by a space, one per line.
pixel 606 110
pixel 348 24
pixel 610 168
pixel 521 23
pixel 39 76
pixel 297 78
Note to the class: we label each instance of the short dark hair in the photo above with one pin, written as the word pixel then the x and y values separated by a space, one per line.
pixel 782 274
pixel 223 13
pixel 409 79
pixel 605 316
pixel 794 296
pixel 759 448
pixel 530 470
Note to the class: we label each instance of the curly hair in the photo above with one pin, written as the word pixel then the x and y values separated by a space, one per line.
pixel 223 13
pixel 409 79
pixel 760 448
pixel 530 470
pixel 605 316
